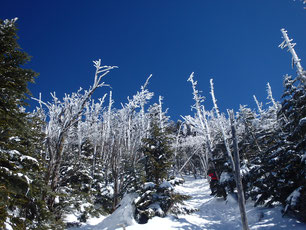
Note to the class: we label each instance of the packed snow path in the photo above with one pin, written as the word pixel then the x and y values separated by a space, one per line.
pixel 213 214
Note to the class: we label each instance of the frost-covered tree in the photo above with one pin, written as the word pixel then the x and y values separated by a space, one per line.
pixel 296 61
pixel 129 126
pixel 223 126
pixel 204 126
pixel 61 117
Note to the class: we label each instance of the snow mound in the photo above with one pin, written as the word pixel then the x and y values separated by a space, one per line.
pixel 123 216
pixel 166 185
pixel 148 185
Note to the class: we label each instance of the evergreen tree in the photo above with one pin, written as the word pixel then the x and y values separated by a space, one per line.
pixel 156 195
pixel 280 172
pixel 292 147
pixel 158 154
pixel 21 182
pixel 249 144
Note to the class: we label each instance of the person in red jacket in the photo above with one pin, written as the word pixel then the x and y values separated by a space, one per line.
pixel 213 182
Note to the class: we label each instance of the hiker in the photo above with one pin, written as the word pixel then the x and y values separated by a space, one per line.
pixel 213 182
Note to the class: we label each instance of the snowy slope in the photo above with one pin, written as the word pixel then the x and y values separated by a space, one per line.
pixel 213 214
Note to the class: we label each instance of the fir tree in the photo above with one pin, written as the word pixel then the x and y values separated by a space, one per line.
pixel 280 171
pixel 292 147
pixel 158 154
pixel 249 144
pixel 21 203
pixel 156 194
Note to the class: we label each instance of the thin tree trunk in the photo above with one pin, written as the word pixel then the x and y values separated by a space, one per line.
pixel 241 200
pixel 188 160
pixel 228 151
pixel 94 161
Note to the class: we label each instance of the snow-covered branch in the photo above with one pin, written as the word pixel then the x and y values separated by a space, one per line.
pixel 270 96
pixel 295 59
pixel 212 92
pixel 259 105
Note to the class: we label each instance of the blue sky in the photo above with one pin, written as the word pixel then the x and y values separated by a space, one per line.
pixel 234 42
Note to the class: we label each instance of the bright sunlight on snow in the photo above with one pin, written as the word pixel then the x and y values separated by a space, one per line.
pixel 214 214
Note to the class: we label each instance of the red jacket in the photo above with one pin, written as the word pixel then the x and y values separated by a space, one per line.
pixel 213 176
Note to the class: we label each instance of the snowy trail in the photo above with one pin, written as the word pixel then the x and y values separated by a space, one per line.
pixel 213 214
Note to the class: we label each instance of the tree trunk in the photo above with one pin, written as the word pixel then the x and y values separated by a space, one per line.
pixel 94 161
pixel 241 200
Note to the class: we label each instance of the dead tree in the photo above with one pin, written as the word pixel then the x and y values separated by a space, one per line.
pixel 62 115
pixel 241 200
pixel 295 59
pixel 228 151
pixel 201 113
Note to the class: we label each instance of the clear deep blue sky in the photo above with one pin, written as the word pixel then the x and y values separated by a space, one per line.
pixel 234 42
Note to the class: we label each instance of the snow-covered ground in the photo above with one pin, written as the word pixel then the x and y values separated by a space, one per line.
pixel 213 214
